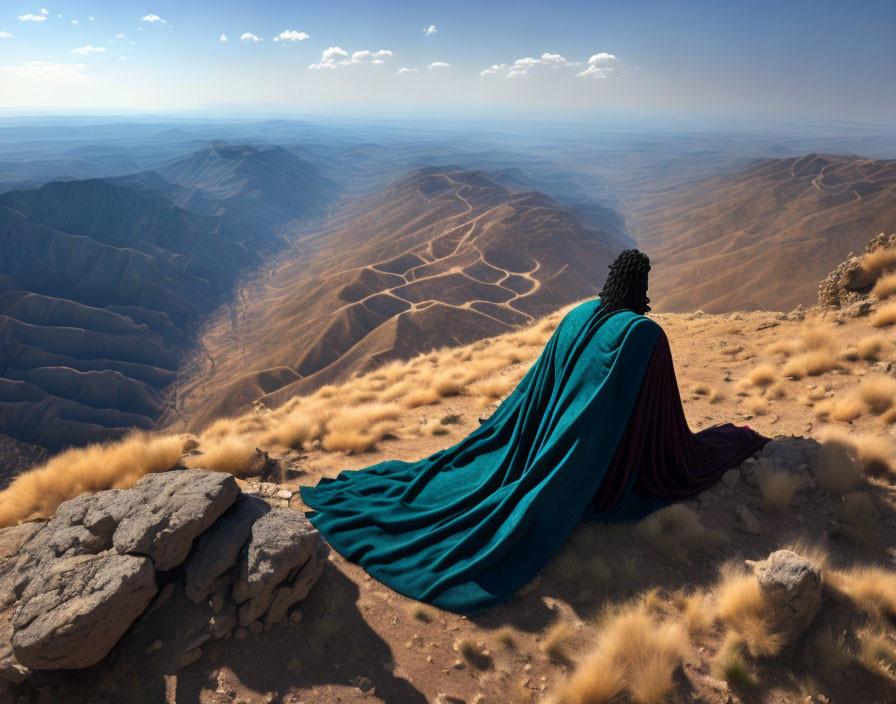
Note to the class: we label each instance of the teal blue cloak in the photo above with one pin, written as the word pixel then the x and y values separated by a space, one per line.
pixel 466 527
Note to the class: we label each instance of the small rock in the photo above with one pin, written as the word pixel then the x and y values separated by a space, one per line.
pixel 296 615
pixel 749 522
pixel 792 586
pixel 255 627
pixel 239 633
pixel 731 478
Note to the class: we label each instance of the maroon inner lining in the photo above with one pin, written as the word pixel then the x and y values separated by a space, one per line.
pixel 671 462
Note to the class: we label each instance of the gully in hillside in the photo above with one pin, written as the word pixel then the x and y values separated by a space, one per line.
pixel 595 430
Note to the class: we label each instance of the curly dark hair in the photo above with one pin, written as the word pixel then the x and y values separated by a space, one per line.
pixel 626 284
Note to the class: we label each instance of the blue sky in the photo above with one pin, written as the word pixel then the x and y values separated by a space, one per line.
pixel 825 60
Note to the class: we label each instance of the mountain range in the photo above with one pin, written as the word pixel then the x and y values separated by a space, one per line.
pixel 103 283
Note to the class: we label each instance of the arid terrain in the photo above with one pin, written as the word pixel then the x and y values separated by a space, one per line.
pixel 761 237
pixel 675 583
pixel 444 257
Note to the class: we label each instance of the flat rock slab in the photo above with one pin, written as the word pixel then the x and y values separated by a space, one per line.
pixel 76 608
pixel 166 511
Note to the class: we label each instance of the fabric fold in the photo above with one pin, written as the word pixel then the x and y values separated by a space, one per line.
pixel 466 527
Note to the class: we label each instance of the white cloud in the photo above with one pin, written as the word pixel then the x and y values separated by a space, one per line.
pixel 45 71
pixel 439 64
pixel 249 37
pixel 59 15
pixel 74 21
pixel 290 35
pixel 32 18
pixel 405 69
pixel 119 36
pixel 44 11
pixel 152 18
pixel 598 66
pixel 91 18
pixel 429 31
pixel 223 38
pixel 89 49
pixel 122 58
pixel 5 35
pixel 334 56
pixel 493 69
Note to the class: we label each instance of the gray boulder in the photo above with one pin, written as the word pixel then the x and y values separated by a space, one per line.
pixel 216 550
pixel 166 511
pixel 76 608
pixel 792 586
pixel 279 544
pixel 297 588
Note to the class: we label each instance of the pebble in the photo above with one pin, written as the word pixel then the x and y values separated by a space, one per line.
pixel 295 616
pixel 240 633
pixel 255 627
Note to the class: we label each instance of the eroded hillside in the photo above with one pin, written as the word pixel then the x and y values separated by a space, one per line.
pixel 444 257
pixel 762 237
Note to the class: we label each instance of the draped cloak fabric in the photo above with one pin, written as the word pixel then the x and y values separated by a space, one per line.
pixel 594 430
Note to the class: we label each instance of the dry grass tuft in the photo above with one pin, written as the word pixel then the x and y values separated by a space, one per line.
pixel 740 605
pixel 869 348
pixel 636 653
pixel 778 489
pixel 885 315
pixel 506 637
pixel 831 651
pixel 673 531
pixel 492 388
pixel 231 454
pixel 115 465
pixel 729 663
pixel 845 410
pixel 420 397
pixel 359 428
pixel 885 287
pixel 877 651
pixel 858 518
pixel 474 652
pixel 702 390
pixel 878 393
pixel 557 640
pixel 836 467
pixel 763 375
pixel 871 588
pixel 878 262
pixel 811 363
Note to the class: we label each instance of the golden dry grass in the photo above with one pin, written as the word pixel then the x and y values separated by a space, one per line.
pixel 115 465
pixel 762 376
pixel 811 363
pixel 672 531
pixel 884 316
pixel 836 467
pixel 878 393
pixel 740 605
pixel 557 641
pixel 359 428
pixel 636 654
pixel 230 454
pixel 869 348
pixel 778 489
pixel 885 287
pixel 878 262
